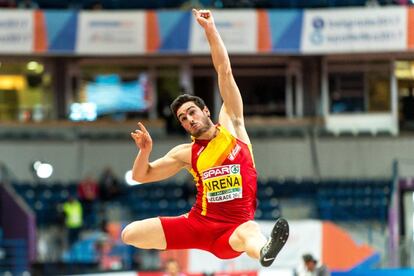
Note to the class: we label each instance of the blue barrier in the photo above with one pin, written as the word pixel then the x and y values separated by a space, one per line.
pixel 16 259
pixel 376 272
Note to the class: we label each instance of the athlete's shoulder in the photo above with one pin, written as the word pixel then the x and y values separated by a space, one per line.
pixel 182 152
pixel 181 148
pixel 239 133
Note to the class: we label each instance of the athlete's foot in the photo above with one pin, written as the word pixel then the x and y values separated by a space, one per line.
pixel 277 240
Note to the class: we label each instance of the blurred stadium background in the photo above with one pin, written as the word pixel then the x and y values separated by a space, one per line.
pixel 328 88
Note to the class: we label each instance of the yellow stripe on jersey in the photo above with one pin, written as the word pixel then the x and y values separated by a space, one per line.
pixel 216 151
pixel 214 155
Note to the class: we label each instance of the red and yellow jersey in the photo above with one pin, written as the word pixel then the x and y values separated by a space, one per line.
pixel 226 178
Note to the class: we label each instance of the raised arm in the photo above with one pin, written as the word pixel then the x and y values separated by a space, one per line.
pixel 144 171
pixel 231 113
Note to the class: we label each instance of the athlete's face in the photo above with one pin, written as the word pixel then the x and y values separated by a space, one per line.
pixel 172 268
pixel 194 120
pixel 310 265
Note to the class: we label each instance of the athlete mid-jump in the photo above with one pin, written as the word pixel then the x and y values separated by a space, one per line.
pixel 220 159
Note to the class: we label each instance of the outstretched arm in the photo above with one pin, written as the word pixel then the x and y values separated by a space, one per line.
pixel 231 113
pixel 144 171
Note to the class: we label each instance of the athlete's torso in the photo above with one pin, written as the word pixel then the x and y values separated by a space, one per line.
pixel 226 178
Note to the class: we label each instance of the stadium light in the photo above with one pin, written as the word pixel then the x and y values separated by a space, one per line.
pixel 36 165
pixel 35 66
pixel 45 170
pixel 129 180
pixel 42 170
pixel 32 65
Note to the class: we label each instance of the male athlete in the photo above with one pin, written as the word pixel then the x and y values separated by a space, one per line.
pixel 221 161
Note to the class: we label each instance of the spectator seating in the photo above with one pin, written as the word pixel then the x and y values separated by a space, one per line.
pixel 354 200
pixel 336 199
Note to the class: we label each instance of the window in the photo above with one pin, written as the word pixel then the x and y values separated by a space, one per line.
pixel 25 92
pixel 114 92
pixel 359 88
pixel 263 95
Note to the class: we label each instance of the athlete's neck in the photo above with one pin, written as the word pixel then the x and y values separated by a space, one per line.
pixel 209 134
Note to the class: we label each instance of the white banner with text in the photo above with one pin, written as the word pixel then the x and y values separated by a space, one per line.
pixel 16 31
pixel 354 30
pixel 238 30
pixel 119 33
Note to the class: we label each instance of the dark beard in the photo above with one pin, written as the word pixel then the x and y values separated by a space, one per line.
pixel 207 124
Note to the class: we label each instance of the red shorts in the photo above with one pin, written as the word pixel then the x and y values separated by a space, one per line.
pixel 198 232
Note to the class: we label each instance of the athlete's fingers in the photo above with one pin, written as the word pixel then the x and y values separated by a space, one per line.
pixel 201 16
pixel 205 14
pixel 142 127
pixel 138 134
pixel 135 136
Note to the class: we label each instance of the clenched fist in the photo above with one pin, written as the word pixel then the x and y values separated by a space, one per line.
pixel 204 18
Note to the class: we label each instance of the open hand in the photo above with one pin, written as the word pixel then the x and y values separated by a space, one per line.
pixel 142 138
pixel 203 17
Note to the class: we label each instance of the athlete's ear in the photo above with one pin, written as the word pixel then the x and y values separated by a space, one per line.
pixel 206 111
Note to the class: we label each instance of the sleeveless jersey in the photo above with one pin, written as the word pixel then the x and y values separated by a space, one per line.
pixel 226 178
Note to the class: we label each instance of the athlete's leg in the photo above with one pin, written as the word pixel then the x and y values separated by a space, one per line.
pixel 278 238
pixel 145 234
pixel 248 238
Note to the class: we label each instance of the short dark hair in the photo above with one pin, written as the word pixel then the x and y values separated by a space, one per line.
pixel 308 258
pixel 182 99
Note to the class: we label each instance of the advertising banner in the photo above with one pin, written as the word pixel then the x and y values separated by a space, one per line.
pixel 238 29
pixel 16 31
pixel 61 29
pixel 285 30
pixel 327 242
pixel 168 31
pixel 305 237
pixel 410 28
pixel 354 30
pixel 118 33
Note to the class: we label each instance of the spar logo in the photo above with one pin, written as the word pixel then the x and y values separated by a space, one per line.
pixel 235 169
pixel 221 171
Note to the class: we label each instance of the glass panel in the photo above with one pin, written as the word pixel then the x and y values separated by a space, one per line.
pixel 112 92
pixel 404 72
pixel 168 88
pixel 263 95
pixel 346 91
pixel 356 88
pixel 25 92
pixel 379 92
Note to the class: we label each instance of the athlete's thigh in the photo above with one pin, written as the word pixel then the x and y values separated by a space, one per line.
pixel 145 234
pixel 184 232
pixel 222 247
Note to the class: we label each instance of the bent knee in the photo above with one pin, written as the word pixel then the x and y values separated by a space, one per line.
pixel 145 234
pixel 245 230
pixel 126 234
pixel 130 232
pixel 249 227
